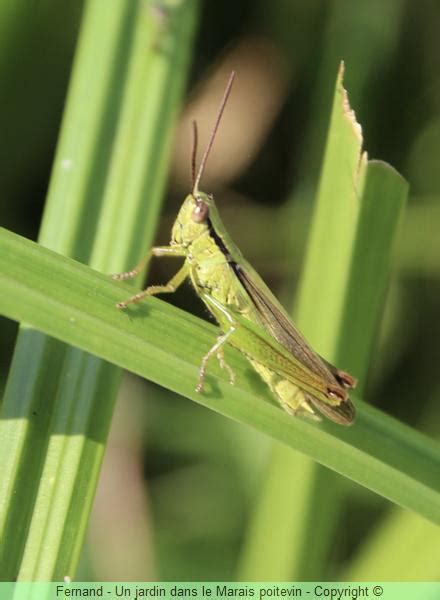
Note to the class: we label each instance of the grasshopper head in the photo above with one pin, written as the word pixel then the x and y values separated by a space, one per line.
pixel 193 218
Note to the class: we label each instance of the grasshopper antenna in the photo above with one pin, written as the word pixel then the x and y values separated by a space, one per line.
pixel 213 134
pixel 194 153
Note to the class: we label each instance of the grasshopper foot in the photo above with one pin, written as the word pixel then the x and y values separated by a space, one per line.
pixel 200 386
pixel 126 275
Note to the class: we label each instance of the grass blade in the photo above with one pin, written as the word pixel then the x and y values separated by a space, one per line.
pixel 76 304
pixel 70 385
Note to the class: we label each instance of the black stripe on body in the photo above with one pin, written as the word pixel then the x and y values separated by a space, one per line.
pixel 221 245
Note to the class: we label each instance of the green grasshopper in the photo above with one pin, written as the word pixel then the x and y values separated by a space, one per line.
pixel 250 317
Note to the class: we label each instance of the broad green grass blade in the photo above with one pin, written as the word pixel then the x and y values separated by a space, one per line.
pixel 67 406
pixel 76 304
pixel 32 389
pixel 90 119
pixel 340 297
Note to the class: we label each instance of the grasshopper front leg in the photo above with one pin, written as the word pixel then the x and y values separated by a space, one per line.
pixel 171 286
pixel 173 251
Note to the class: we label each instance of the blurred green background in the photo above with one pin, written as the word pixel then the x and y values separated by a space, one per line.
pixel 179 482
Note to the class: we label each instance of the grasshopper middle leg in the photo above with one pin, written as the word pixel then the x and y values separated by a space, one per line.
pixel 217 349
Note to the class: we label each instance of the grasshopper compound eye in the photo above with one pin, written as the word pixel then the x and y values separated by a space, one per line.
pixel 201 211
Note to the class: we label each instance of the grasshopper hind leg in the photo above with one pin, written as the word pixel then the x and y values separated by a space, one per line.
pixel 293 400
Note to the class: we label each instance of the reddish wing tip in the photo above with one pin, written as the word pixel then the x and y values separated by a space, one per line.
pixel 345 379
pixel 337 392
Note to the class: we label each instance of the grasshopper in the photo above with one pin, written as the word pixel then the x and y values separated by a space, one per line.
pixel 251 319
